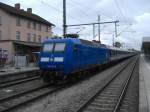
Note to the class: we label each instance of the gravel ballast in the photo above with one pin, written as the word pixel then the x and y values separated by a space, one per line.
pixel 70 98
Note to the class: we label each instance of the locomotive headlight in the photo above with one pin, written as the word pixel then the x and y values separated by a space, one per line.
pixel 58 59
pixel 44 59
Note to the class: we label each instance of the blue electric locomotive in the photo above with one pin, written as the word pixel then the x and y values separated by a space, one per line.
pixel 60 58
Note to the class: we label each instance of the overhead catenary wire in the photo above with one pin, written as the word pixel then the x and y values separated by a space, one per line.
pixel 52 7
pixel 59 11
pixel 123 30
pixel 127 11
pixel 77 7
pixel 85 6
pixel 120 10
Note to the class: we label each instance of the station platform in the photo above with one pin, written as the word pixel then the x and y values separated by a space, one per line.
pixel 144 85
pixel 14 70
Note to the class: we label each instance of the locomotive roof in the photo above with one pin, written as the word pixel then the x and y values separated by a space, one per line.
pixel 62 40
pixel 116 48
pixel 76 41
pixel 90 43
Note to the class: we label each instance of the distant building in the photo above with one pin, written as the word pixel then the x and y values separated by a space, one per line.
pixel 21 32
pixel 146 46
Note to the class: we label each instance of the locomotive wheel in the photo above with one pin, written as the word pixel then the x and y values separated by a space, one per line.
pixel 47 77
pixel 61 80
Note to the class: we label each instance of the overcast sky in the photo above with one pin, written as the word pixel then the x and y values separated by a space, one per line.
pixel 133 16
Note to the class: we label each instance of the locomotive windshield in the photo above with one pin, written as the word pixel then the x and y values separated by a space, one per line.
pixel 48 47
pixel 54 47
pixel 59 47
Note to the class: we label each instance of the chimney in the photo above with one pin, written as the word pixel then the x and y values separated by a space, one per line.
pixel 29 10
pixel 17 6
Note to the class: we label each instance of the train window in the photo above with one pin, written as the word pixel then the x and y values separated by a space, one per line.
pixel 112 53
pixel 48 47
pixel 59 47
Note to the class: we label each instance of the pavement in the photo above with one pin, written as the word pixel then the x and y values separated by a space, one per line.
pixel 14 70
pixel 144 85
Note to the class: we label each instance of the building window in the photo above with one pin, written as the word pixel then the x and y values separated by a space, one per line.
pixel 29 37
pixel 17 35
pixel 29 24
pixel 47 28
pixel 18 22
pixel 34 25
pixel 34 37
pixel 39 38
pixel 0 35
pixel 0 20
pixel 39 27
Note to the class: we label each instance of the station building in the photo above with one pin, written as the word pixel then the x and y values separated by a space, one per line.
pixel 21 32
pixel 146 46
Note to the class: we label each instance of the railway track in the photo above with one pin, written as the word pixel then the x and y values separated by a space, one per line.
pixel 19 81
pixel 110 96
pixel 14 101
pixel 17 100
pixel 130 102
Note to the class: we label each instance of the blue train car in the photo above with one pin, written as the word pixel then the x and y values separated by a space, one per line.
pixel 63 57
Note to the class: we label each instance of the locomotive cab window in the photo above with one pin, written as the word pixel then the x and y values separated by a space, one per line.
pixel 48 47
pixel 60 47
